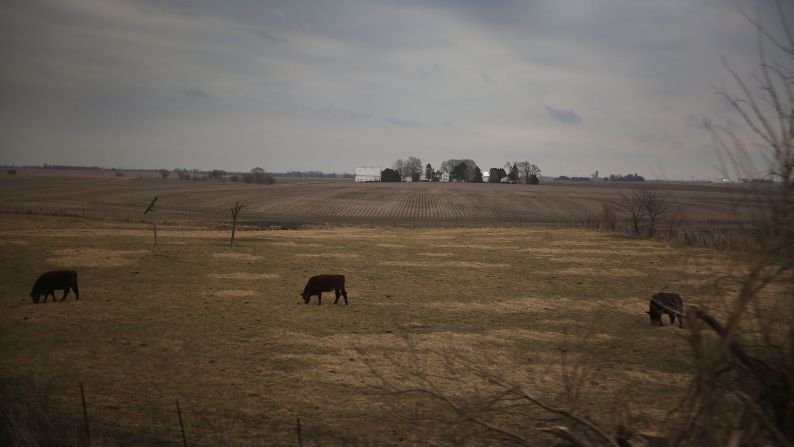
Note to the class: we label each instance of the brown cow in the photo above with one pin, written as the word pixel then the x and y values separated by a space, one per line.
pixel 324 283
pixel 666 303
pixel 49 282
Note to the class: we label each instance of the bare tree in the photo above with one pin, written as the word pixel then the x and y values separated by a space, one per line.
pixel 399 166
pixel 413 167
pixel 527 170
pixel 631 206
pixel 745 376
pixel 656 204
pixel 164 173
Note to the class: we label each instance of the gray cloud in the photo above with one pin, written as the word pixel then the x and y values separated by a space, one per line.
pixel 195 92
pixel 140 72
pixel 404 123
pixel 268 36
pixel 701 122
pixel 563 116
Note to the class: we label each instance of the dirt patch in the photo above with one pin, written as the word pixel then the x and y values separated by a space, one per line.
pixel 237 256
pixel 295 244
pixel 391 245
pixel 94 257
pixel 444 264
pixel 233 293
pixel 614 272
pixel 461 246
pixel 328 255
pixel 15 243
pixel 552 251
pixel 241 276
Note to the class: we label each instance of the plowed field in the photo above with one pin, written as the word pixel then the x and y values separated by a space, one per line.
pixel 291 202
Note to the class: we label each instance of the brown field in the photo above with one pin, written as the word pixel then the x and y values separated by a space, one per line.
pixel 224 331
pixel 292 202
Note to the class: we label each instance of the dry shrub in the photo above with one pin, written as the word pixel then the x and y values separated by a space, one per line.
pixel 27 418
pixel 609 217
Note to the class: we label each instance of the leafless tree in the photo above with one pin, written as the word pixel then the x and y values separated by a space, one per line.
pixel 526 170
pixel 745 375
pixel 656 204
pixel 632 207
pixel 399 166
pixel 412 167
pixel 164 173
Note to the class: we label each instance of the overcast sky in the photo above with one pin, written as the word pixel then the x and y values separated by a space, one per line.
pixel 617 86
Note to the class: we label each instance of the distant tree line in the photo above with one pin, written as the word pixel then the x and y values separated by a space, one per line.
pixel 611 178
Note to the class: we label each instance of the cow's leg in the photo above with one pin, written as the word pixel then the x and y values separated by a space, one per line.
pixel 337 295
pixel 672 318
pixel 46 295
pixel 65 292
pixel 76 292
pixel 319 298
pixel 344 293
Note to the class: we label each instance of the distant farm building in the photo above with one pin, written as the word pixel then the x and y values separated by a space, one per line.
pixel 444 177
pixel 368 174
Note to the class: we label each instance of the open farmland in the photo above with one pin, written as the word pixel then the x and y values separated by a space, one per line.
pixel 293 202
pixel 224 331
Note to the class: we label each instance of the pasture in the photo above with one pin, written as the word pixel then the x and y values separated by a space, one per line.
pixel 436 274
pixel 224 331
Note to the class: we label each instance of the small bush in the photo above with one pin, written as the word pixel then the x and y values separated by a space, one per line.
pixel 609 217
pixel 12 172
pixel 234 178
pixel 118 173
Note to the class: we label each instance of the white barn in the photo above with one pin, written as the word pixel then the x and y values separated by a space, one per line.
pixel 368 174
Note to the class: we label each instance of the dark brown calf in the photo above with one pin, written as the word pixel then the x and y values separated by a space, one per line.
pixel 324 283
pixel 666 303
pixel 49 282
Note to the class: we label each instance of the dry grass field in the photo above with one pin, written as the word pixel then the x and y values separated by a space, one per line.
pixel 223 330
pixel 294 202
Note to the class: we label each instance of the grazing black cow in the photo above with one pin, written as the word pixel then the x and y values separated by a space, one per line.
pixel 49 282
pixel 324 283
pixel 666 303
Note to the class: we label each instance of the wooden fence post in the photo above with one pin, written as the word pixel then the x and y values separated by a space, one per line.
pixel 85 417
pixel 181 425
pixel 150 209
pixel 235 212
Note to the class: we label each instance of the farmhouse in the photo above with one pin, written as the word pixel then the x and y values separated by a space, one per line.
pixel 368 174
pixel 444 177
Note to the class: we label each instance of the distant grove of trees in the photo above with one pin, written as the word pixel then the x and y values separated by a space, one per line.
pixel 612 178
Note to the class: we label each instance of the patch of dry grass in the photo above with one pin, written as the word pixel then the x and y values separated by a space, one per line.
pixel 94 257
pixel 233 293
pixel 247 357
pixel 236 256
pixel 243 276
pixel 444 264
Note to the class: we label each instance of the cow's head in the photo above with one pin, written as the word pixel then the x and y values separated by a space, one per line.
pixel 34 295
pixel 306 297
pixel 656 316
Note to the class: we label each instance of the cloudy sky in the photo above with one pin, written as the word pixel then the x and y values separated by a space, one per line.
pixel 574 86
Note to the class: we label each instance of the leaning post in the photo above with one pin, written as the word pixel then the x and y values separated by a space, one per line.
pixel 235 212
pixel 150 209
